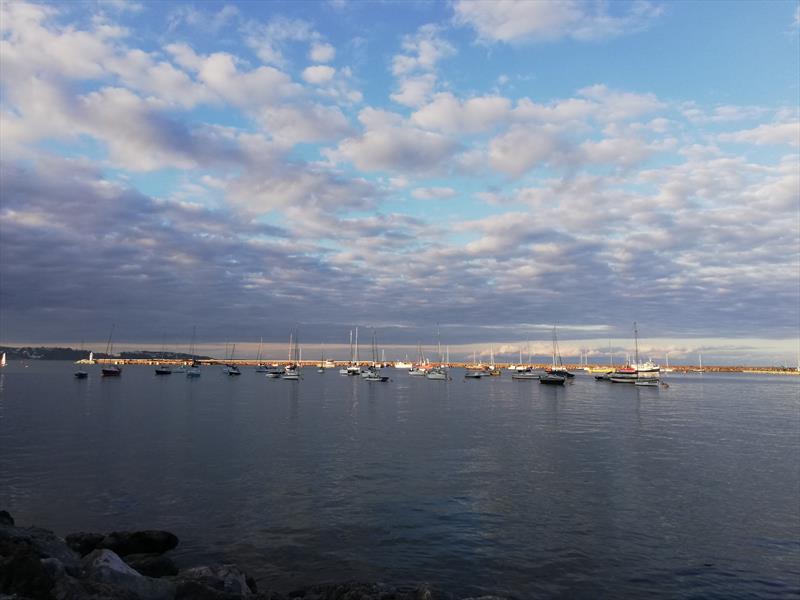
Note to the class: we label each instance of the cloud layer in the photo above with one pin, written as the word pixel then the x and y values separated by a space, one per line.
pixel 276 175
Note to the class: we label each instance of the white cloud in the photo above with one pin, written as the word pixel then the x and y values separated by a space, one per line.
pixel 389 144
pixel 434 193
pixel 318 74
pixel 415 91
pixel 415 70
pixel 531 21
pixel 268 40
pixel 423 50
pixel 321 52
pixel 522 148
pixel 766 134
pixel 446 113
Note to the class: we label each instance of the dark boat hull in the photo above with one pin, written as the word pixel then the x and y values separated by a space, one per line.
pixel 111 372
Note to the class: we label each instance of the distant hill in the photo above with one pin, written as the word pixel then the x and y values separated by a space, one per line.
pixel 50 353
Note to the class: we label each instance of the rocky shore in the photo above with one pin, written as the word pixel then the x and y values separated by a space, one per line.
pixel 36 564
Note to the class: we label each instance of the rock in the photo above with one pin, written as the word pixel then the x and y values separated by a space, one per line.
pixel 70 588
pixel 83 543
pixel 104 566
pixel 5 518
pixel 225 578
pixel 22 571
pixel 152 565
pixel 139 542
pixel 45 543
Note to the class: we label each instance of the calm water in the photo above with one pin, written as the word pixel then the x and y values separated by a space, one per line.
pixel 477 486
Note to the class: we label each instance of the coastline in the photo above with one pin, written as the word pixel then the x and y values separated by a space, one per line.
pixel 36 564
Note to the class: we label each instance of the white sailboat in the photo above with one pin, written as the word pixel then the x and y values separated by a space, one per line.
pixel 3 361
pixel 292 370
pixel 194 368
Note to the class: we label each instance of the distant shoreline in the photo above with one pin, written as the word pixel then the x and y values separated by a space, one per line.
pixel 595 368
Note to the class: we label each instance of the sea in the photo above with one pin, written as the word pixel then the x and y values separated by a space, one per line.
pixel 474 487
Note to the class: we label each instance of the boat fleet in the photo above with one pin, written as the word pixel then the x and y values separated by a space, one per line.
pixel 637 373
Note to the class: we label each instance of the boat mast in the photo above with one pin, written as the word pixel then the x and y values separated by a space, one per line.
pixel 636 343
pixel 109 344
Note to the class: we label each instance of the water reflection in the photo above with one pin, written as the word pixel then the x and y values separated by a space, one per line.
pixel 490 486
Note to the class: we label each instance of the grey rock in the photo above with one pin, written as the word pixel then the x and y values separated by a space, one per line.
pixel 5 518
pixel 223 578
pixel 45 543
pixel 104 566
pixel 83 542
pixel 139 542
pixel 152 565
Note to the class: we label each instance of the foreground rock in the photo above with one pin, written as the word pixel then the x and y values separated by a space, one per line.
pixel 123 543
pixel 35 564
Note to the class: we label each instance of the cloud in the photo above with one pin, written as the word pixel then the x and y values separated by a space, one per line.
pixel 434 193
pixel 267 40
pixel 447 113
pixel 389 145
pixel 415 69
pixel 414 91
pixel 520 21
pixel 766 134
pixel 321 52
pixel 318 74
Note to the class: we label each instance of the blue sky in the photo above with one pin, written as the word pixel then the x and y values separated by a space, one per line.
pixel 495 167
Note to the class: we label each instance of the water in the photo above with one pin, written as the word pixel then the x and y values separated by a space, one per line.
pixel 474 486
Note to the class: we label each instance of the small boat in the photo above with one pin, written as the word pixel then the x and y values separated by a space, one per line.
pixel 81 374
pixel 291 373
pixel 527 374
pixel 647 382
pixel 550 379
pixel 232 370
pixel 474 374
pixel 377 377
pixel 111 371
pixel 604 376
pixel 3 361
pixel 402 365
pixel 437 374
pixel 163 370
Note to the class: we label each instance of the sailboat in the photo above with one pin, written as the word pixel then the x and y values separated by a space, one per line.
pixel 230 368
pixel 260 367
pixel 321 365
pixel 637 371
pixel 475 371
pixel 373 372
pixel 556 374
pixel 162 369
pixel 79 374
pixel 3 361
pixel 354 368
pixel 111 370
pixel 700 358
pixel 194 368
pixel 438 373
pixel 292 370
pixel 493 370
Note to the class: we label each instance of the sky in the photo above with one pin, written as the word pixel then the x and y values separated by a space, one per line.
pixel 496 168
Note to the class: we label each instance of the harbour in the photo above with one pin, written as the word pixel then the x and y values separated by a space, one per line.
pixel 490 486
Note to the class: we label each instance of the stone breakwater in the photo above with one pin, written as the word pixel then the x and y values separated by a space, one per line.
pixel 36 564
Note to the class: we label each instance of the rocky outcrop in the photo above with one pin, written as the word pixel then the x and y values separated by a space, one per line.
pixel 123 543
pixel 35 564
